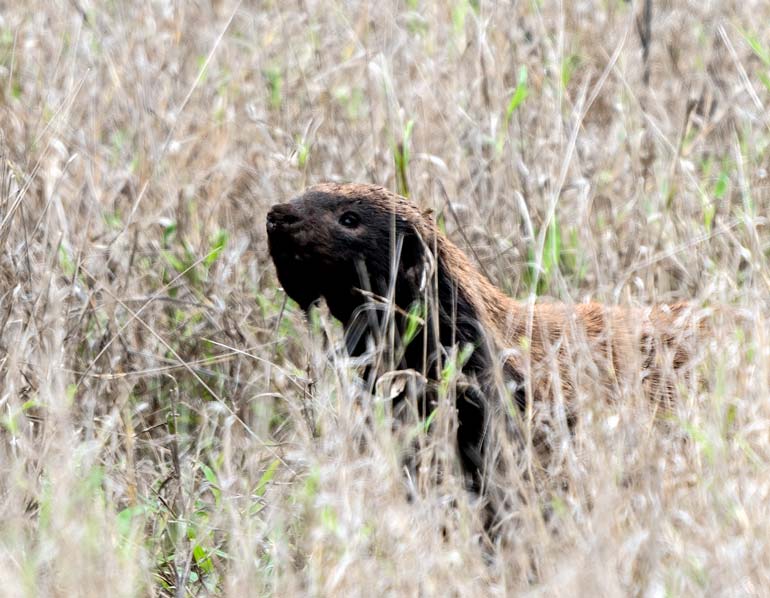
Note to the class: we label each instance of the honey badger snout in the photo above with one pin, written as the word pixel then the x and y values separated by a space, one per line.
pixel 283 217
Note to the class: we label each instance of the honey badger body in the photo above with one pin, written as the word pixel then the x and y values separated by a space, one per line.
pixel 336 240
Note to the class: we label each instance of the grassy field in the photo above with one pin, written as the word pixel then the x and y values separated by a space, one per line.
pixel 172 426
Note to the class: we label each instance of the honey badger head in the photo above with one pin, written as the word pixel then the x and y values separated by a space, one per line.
pixel 334 241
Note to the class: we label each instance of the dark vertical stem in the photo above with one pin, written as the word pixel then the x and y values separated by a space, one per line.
pixel 644 28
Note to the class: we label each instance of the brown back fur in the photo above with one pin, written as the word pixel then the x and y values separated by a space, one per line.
pixel 540 340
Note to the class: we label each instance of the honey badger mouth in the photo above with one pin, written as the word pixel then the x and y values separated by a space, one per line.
pixel 286 251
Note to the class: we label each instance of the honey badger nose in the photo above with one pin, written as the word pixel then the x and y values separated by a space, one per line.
pixel 281 216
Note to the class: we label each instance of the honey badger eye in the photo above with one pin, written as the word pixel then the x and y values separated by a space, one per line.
pixel 350 220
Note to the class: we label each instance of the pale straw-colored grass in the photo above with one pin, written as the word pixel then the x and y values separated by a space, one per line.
pixel 171 427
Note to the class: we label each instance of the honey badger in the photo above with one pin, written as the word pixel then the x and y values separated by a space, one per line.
pixel 353 243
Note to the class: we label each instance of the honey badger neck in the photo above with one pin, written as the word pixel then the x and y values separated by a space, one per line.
pixel 424 287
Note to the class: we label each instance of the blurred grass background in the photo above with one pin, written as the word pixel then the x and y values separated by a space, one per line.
pixel 171 426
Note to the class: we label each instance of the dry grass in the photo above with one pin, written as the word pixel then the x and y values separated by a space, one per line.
pixel 168 427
